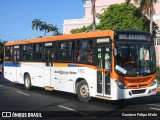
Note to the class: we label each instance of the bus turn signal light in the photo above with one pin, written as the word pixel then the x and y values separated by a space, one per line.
pixel 154 90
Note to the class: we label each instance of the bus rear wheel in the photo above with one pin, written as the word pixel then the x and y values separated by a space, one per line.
pixel 27 82
pixel 83 91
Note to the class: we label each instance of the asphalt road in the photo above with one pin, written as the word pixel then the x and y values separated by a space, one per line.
pixel 14 98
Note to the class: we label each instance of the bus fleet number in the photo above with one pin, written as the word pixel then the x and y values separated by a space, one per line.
pixel 81 70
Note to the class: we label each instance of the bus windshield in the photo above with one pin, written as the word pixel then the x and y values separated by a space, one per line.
pixel 135 59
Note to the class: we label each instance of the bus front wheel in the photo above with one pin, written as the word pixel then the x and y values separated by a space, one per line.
pixel 27 82
pixel 83 91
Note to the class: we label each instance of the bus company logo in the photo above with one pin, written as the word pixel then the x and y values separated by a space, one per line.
pixel 61 72
pixel 139 85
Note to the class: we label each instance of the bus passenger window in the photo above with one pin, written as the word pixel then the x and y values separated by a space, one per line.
pixel 62 51
pixel 79 55
pixel 47 56
pixel 16 55
pixel 37 52
pixel 99 60
pixel 8 52
pixel 90 52
pixel 107 61
pixel 27 53
pixel 70 51
pixel 84 51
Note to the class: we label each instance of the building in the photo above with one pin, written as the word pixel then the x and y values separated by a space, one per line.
pixel 68 25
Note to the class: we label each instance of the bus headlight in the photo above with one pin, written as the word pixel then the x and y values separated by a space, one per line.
pixel 153 82
pixel 120 84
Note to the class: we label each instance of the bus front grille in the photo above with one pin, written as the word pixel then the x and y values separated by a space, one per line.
pixel 138 91
pixel 137 86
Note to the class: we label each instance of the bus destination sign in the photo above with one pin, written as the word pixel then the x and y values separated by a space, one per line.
pixel 102 40
pixel 134 37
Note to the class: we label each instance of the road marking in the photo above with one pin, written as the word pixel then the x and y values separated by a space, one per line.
pixel 23 93
pixel 154 104
pixel 1 85
pixel 67 108
pixel 155 108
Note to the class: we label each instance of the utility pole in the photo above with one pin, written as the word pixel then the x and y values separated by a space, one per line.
pixel 151 17
pixel 94 14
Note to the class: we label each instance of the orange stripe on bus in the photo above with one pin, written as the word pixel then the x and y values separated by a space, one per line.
pixel 105 33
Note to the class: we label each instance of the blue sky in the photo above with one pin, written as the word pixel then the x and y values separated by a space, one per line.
pixel 17 16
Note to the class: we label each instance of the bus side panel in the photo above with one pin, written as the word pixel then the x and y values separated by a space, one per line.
pixel 90 75
pixel 36 72
pixel 65 78
pixel 19 75
pixel 8 73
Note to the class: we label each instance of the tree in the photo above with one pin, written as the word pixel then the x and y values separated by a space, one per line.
pixel 83 29
pixel 148 8
pixel 44 27
pixel 36 24
pixel 2 42
pixel 93 13
pixel 123 16
pixel 53 29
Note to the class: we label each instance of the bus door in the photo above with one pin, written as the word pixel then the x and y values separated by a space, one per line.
pixel 103 56
pixel 49 72
pixel 16 64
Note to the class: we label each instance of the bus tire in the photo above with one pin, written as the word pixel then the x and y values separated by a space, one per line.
pixel 82 91
pixel 27 82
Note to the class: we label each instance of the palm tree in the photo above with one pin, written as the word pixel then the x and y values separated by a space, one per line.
pixel 44 27
pixel 148 8
pixel 53 29
pixel 36 23
pixel 93 13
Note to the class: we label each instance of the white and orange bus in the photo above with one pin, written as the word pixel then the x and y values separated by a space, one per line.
pixel 1 67
pixel 107 64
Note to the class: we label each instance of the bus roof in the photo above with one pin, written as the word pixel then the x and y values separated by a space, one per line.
pixel 94 34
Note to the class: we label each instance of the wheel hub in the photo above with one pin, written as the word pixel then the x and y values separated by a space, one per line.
pixel 27 82
pixel 84 91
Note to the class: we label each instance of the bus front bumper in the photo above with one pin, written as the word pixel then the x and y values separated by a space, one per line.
pixel 133 93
